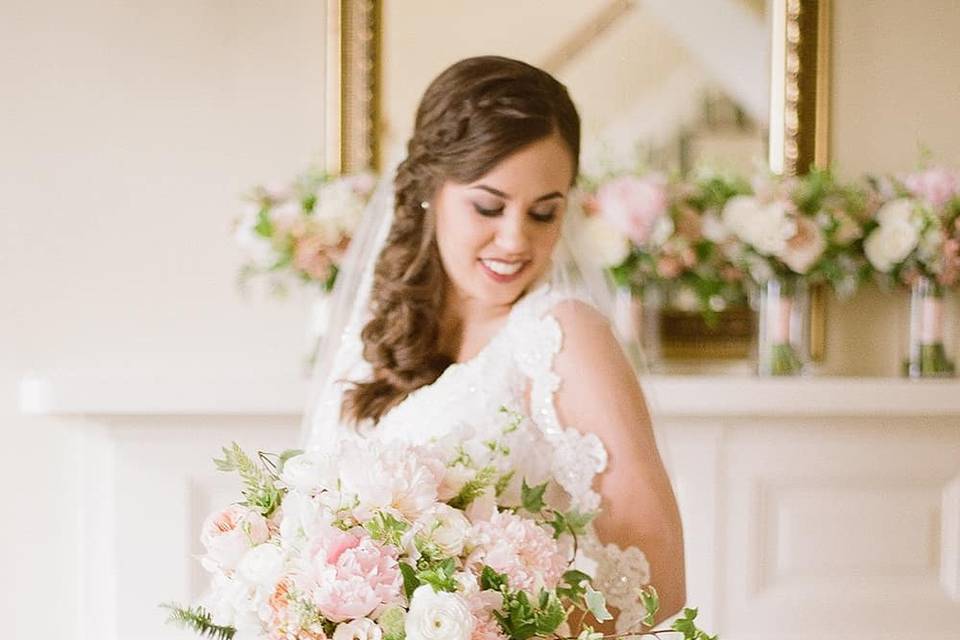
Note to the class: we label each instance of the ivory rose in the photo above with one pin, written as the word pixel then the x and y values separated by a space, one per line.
pixel 228 534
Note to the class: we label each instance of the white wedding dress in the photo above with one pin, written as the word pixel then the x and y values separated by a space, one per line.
pixel 515 370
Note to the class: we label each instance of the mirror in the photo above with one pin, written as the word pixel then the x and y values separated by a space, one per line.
pixel 660 84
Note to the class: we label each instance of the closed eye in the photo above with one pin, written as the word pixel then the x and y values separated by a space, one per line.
pixel 488 212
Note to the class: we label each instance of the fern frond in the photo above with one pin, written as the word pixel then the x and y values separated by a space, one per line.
pixel 197 619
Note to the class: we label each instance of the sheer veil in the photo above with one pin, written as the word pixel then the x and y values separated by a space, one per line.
pixel 340 358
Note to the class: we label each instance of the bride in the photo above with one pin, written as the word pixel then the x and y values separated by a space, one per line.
pixel 458 297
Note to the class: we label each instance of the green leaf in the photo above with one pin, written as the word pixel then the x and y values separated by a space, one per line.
pixel 440 575
pixel 286 455
pixel 587 633
pixel 532 497
pixel 259 491
pixel 197 619
pixel 410 581
pixel 688 627
pixel 597 605
pixel 651 602
pixel 490 580
pixel 550 614
pixel 264 226
pixel 573 585
pixel 474 488
pixel 386 528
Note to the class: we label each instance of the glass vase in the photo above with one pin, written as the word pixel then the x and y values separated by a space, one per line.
pixel 783 324
pixel 930 348
pixel 636 319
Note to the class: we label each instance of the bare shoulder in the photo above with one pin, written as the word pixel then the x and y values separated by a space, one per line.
pixel 599 390
pixel 588 340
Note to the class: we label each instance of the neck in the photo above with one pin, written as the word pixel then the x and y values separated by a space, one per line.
pixel 463 315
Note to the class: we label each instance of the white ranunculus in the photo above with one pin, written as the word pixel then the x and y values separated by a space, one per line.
pixel 607 245
pixel 438 616
pixel 764 227
pixel 890 244
pixel 261 565
pixel 309 471
pixel 359 629
pixel 448 529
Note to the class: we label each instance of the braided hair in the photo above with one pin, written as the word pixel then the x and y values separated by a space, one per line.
pixel 473 115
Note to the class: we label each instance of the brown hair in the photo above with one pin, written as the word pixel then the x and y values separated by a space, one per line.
pixel 473 115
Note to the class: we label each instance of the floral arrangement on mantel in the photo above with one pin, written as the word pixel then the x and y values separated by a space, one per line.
pixel 297 233
pixel 913 240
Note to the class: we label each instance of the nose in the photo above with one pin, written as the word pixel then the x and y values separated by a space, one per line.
pixel 512 233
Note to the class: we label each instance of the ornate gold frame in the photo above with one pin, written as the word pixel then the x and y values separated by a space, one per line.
pixel 799 102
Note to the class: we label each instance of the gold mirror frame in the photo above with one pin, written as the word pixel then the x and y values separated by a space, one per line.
pixel 799 97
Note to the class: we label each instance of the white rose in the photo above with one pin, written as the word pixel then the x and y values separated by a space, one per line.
pixel 261 565
pixel 308 472
pixel 608 246
pixel 765 227
pixel 448 529
pixel 895 211
pixel 359 629
pixel 890 243
pixel 438 616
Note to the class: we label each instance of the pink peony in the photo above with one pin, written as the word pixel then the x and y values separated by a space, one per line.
pixel 633 205
pixel 936 185
pixel 804 249
pixel 349 575
pixel 521 549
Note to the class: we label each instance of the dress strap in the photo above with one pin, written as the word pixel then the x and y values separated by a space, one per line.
pixel 577 457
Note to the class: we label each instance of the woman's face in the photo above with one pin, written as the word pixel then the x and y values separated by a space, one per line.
pixel 496 235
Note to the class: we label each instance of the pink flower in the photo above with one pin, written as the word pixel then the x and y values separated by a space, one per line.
pixel 348 575
pixel 633 205
pixel 950 272
pixel 486 628
pixel 311 256
pixel 937 185
pixel 806 246
pixel 229 534
pixel 521 549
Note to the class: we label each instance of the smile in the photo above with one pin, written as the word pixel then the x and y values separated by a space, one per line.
pixel 502 271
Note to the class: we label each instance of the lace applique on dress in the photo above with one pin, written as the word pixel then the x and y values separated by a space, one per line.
pixel 577 459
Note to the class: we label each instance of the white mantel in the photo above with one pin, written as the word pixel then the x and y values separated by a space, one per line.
pixel 810 506
pixel 98 393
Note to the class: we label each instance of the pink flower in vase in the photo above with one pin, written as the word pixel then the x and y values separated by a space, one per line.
pixel 633 205
pixel 937 185
pixel 310 256
pixel 950 272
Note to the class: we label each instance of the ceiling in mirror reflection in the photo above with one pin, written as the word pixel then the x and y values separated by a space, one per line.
pixel 668 84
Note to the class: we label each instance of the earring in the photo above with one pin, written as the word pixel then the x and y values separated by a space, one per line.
pixel 424 205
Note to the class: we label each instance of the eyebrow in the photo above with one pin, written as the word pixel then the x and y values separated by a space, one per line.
pixel 497 192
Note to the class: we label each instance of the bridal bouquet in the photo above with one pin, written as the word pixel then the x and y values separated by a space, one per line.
pixel 430 542
pixel 300 231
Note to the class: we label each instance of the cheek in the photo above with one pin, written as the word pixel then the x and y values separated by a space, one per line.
pixel 459 237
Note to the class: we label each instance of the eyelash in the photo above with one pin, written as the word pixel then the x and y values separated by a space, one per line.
pixel 490 213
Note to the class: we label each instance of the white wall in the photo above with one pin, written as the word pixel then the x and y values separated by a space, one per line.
pixel 128 131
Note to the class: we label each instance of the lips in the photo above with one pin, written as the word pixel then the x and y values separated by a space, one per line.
pixel 501 270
